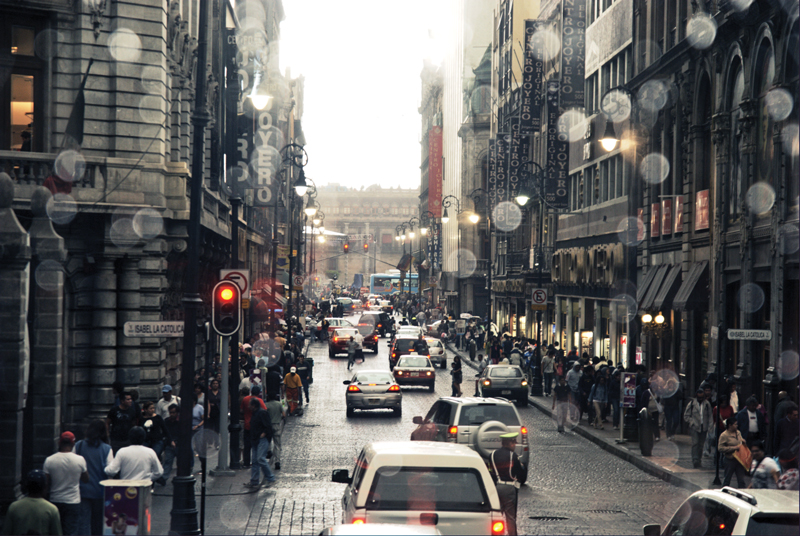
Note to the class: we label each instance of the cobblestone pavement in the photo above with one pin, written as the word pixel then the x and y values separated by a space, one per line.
pixel 573 486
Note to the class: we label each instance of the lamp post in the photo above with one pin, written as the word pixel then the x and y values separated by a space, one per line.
pixel 476 195
pixel 296 157
pixel 451 201
pixel 400 231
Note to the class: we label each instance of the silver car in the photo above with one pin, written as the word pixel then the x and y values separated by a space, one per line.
pixel 437 352
pixel 505 381
pixel 373 389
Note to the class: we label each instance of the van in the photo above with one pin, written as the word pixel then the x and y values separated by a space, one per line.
pixel 421 483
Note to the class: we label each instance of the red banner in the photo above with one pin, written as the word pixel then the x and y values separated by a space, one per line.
pixel 435 171
pixel 679 214
pixel 666 217
pixel 701 211
pixel 655 220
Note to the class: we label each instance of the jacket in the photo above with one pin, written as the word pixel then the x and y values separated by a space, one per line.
pixel 599 393
pixel 729 443
pixel 698 416
pixel 744 424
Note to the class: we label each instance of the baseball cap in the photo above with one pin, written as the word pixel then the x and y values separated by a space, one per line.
pixel 293 369
pixel 166 389
pixel 68 437
pixel 246 346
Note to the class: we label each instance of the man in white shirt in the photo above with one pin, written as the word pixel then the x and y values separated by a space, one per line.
pixel 65 470
pixel 162 406
pixel 136 462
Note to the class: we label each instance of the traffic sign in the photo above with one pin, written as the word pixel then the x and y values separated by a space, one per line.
pixel 298 280
pixel 749 335
pixel 240 277
pixel 153 329
pixel 539 300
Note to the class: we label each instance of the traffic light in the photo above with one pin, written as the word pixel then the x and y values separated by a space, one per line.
pixel 366 247
pixel 347 247
pixel 226 308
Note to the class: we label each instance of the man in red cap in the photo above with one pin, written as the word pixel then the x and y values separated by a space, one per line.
pixel 65 470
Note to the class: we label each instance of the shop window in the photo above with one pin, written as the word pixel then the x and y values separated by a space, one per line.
pixel 20 69
pixel 22 40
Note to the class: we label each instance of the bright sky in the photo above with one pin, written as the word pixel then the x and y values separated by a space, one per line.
pixel 362 61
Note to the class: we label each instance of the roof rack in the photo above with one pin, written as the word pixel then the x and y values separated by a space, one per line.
pixel 740 495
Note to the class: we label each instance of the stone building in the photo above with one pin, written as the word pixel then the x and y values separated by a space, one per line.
pixel 110 246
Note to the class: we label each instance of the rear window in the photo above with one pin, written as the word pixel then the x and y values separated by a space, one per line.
pixel 780 525
pixel 404 344
pixel 412 362
pixel 374 378
pixel 505 372
pixel 425 488
pixel 477 415
pixel 348 332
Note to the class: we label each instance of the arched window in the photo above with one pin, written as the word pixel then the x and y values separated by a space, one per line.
pixel 765 77
pixel 736 173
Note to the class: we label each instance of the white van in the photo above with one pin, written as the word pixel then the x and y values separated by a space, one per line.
pixel 422 483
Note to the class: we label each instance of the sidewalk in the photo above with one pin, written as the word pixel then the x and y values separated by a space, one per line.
pixel 671 461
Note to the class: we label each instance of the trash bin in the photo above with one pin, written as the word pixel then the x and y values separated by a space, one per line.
pixel 127 506
pixel 645 433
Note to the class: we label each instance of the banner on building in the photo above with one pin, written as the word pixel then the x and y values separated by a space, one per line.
pixel 679 214
pixel 666 217
pixel 517 151
pixel 655 220
pixel 556 191
pixel 532 75
pixel 492 178
pixel 502 144
pixel 573 52
pixel 701 211
pixel 435 171
pixel 282 258
pixel 435 245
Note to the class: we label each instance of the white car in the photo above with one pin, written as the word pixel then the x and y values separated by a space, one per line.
pixel 421 483
pixel 334 323
pixel 416 331
pixel 732 511
pixel 437 352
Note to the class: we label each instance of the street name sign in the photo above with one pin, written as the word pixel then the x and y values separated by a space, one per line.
pixel 749 335
pixel 153 329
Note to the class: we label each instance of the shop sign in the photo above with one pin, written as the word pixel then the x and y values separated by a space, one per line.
pixel 532 75
pixel 638 355
pixel 749 335
pixel 629 390
pixel 435 171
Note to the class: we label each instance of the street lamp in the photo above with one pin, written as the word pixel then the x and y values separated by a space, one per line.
pixel 447 202
pixel 476 195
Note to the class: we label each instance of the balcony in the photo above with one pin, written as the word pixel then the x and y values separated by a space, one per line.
pixel 517 262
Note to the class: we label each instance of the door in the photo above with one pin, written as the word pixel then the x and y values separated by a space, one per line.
pixel 351 492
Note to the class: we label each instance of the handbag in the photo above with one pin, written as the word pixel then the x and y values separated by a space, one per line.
pixel 744 456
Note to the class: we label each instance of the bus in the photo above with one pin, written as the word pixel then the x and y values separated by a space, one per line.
pixel 389 283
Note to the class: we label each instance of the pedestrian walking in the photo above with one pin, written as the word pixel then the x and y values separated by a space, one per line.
pixel 292 386
pixel 166 400
pixel 548 368
pixel 156 433
pixel 171 449
pixel 653 406
pixel 562 400
pixel 763 470
pixel 303 368
pixel 456 373
pixel 787 430
pixel 751 421
pixel 119 421
pixel 65 471
pixel 729 443
pixel 672 407
pixel 698 416
pixel 276 415
pixel 33 514
pixel 599 398
pixel 247 412
pixel 260 437
pixel 135 462
pixel 509 474
pixel 96 451
pixel 351 352
pixel 214 403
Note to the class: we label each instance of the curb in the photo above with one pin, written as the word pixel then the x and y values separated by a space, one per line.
pixel 645 465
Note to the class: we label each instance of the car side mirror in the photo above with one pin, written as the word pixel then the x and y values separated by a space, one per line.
pixel 417 420
pixel 651 530
pixel 340 476
pixel 346 382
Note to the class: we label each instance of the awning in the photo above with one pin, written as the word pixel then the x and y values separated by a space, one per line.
pixel 655 285
pixel 669 288
pixel 280 299
pixel 642 289
pixel 693 293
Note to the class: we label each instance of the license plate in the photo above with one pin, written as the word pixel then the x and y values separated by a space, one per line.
pixel 374 401
pixel 413 374
pixel 506 392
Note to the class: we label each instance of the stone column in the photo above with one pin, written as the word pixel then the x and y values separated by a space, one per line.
pixel 570 327
pixel 15 255
pixel 47 339
pixel 721 132
pixel 128 303
pixel 103 370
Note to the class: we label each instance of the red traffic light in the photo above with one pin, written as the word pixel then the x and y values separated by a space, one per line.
pixel 226 308
pixel 226 294
pixel 366 247
pixel 346 247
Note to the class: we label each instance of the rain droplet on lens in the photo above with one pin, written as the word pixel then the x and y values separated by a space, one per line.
pixel 46 44
pixel 790 137
pixel 507 215
pixel 779 104
pixel 150 109
pixel 701 30
pixel 62 209
pixel 653 95
pixel 740 5
pixel 750 298
pixel 617 105
pixel 48 275
pixel 574 123
pixel 148 223
pixel 760 198
pixel 268 350
pixel 654 168
pixel 122 233
pixel 153 79
pixel 789 238
pixel 545 44
pixel 468 263
pixel 629 231
pixel 124 45
pixel 788 365
pixel 234 513
pixel 631 307
pixel 70 165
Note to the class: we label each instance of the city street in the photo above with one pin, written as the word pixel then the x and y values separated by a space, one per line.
pixel 573 486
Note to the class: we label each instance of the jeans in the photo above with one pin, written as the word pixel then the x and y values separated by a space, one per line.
pixel 654 425
pixel 698 439
pixel 615 407
pixel 304 390
pixel 548 382
pixel 260 463
pixel 91 517
pixel 70 517
pixel 170 453
pixel 733 466
pixel 276 446
pixel 672 418
pixel 351 359
pixel 562 414
pixel 157 446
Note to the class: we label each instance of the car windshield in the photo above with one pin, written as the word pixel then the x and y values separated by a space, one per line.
pixel 346 332
pixel 374 377
pixel 430 489
pixel 505 372
pixel 479 414
pixel 413 362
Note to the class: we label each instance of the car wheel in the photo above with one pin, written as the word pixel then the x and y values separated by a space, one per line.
pixel 431 387
pixel 350 412
pixel 444 364
pixel 398 411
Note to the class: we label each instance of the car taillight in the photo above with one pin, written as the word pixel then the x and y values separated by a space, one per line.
pixel 394 354
pixel 353 389
pixel 524 383
pixel 398 372
pixel 453 430
pixel 336 339
pixel 452 434
pixel 394 388
pixel 498 527
pixel 487 382
pixel 361 521
pixel 524 432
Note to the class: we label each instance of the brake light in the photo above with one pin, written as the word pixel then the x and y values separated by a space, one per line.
pixel 428 373
pixel 498 527
pixel 487 382
pixel 394 388
pixel 394 354
pixel 398 372
pixel 336 339
pixel 523 430
pixel 453 430
pixel 353 389
pixel 359 521
pixel 452 434
pixel 524 383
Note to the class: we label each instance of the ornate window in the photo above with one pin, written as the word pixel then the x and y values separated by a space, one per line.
pixel 736 180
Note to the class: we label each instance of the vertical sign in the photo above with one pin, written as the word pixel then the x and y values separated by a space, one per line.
pixel 501 185
pixel 629 385
pixel 666 217
pixel 555 188
pixel 492 179
pixel 701 211
pixel 516 150
pixel 435 245
pixel 573 48
pixel 655 220
pixel 679 214
pixel 265 159
pixel 435 171
pixel 532 74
